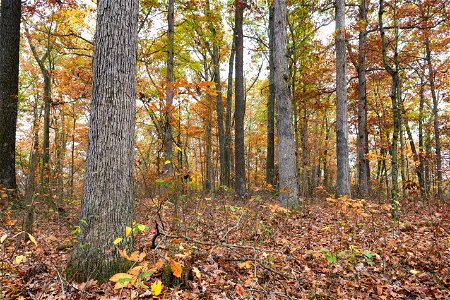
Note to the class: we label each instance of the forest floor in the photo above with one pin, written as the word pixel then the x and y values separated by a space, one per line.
pixel 228 249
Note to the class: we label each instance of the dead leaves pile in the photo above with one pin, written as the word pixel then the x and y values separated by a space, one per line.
pixel 257 250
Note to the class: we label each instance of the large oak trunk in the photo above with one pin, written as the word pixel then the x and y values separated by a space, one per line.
pixel 108 190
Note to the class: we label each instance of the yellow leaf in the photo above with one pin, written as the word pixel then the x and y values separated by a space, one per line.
pixel 121 277
pixel 167 162
pixel 32 239
pixel 414 272
pixel 246 264
pixel 20 259
pixel 3 238
pixel 325 228
pixel 176 268
pixel 157 288
pixel 197 272
pixel 118 240
pixel 127 231
pixel 178 148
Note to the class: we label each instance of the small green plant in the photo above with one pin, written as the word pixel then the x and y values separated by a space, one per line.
pixel 369 257
pixel 331 259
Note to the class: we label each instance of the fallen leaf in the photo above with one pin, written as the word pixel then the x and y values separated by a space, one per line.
pixel 32 239
pixel 20 258
pixel 197 272
pixel 246 264
pixel 176 268
pixel 157 288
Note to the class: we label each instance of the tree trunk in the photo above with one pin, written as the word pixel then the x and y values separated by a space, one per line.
pixel 418 169
pixel 168 164
pixel 393 72
pixel 421 151
pixel 362 142
pixel 239 107
pixel 45 167
pixel 343 167
pixel 60 158
pixel 72 154
pixel 209 179
pixel 219 108
pixel 270 161
pixel 437 137
pixel 9 89
pixel 305 160
pixel 107 204
pixel 30 186
pixel 287 168
pixel 227 153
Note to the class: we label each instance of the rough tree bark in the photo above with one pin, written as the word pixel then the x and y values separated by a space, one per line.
pixel 239 98
pixel 227 153
pixel 168 145
pixel 362 141
pixel 9 89
pixel 108 187
pixel 270 161
pixel 343 166
pixel 288 188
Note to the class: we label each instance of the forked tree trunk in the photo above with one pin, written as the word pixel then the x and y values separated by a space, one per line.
pixel 393 72
pixel 288 188
pixel 9 89
pixel 107 204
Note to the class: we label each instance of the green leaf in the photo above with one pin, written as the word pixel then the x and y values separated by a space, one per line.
pixel 330 258
pixel 141 227
pixel 144 275
pixel 123 280
pixel 368 254
pixel 143 285
pixel 83 221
